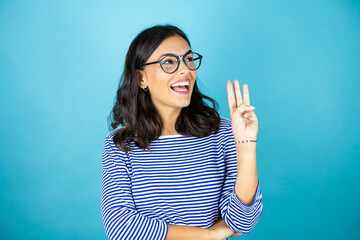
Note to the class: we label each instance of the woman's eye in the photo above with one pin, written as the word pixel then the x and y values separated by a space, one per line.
pixel 189 59
pixel 168 61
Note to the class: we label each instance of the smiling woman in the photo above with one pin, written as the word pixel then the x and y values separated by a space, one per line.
pixel 147 97
pixel 171 167
pixel 167 99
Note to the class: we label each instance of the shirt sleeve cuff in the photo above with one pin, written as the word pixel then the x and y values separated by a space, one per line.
pixel 240 217
pixel 238 205
pixel 164 230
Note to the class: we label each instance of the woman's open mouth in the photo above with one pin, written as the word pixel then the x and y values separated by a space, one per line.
pixel 181 90
pixel 181 87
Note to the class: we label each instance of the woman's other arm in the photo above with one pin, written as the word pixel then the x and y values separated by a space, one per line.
pixel 177 232
pixel 218 231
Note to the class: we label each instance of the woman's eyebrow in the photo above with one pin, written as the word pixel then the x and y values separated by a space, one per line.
pixel 165 54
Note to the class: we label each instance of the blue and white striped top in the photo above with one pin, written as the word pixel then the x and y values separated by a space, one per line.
pixel 184 181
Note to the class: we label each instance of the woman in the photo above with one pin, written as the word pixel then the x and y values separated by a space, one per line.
pixel 175 169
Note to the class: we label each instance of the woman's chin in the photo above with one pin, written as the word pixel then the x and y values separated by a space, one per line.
pixel 184 104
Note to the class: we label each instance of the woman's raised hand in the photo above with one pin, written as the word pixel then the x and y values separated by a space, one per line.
pixel 244 122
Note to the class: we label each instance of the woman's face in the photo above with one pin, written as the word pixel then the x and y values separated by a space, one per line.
pixel 164 96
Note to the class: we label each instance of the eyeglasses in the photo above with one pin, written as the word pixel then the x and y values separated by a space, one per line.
pixel 170 62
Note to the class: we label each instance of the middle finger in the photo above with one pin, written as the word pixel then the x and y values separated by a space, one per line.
pixel 237 92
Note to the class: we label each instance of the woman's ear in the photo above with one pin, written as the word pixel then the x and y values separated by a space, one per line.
pixel 141 79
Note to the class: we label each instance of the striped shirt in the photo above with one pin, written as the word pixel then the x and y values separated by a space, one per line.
pixel 186 180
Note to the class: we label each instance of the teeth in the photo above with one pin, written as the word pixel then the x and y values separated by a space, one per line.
pixel 180 84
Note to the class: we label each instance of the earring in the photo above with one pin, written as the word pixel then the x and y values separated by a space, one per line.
pixel 145 89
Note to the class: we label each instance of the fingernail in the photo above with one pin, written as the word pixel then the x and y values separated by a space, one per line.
pixel 252 107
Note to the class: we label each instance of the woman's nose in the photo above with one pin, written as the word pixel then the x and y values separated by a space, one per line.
pixel 183 67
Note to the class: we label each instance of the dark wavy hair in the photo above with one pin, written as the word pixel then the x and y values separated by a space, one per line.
pixel 134 110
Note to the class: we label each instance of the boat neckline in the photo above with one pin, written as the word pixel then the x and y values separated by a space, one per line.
pixel 169 136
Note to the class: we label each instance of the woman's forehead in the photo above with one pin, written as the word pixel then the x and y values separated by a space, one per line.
pixel 174 45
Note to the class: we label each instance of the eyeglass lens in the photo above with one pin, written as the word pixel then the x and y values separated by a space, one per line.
pixel 170 63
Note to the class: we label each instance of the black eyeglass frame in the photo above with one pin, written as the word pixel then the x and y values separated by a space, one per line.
pixel 178 61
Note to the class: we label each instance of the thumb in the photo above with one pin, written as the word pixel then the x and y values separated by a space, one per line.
pixel 242 108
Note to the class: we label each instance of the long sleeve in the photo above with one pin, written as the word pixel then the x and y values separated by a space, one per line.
pixel 120 217
pixel 238 216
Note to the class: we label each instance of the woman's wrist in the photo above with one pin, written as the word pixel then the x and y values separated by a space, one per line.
pixel 220 230
pixel 211 234
pixel 183 232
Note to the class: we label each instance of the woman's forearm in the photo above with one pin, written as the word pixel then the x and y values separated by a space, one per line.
pixel 177 232
pixel 247 180
pixel 217 231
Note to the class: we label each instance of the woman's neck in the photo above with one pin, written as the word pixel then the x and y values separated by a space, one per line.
pixel 169 120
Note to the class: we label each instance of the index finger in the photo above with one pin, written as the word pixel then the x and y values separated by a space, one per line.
pixel 231 97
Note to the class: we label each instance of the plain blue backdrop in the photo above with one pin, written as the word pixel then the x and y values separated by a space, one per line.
pixel 60 65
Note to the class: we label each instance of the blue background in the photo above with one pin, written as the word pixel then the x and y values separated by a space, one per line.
pixel 60 64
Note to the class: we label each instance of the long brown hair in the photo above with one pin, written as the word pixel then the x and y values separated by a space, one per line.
pixel 133 109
